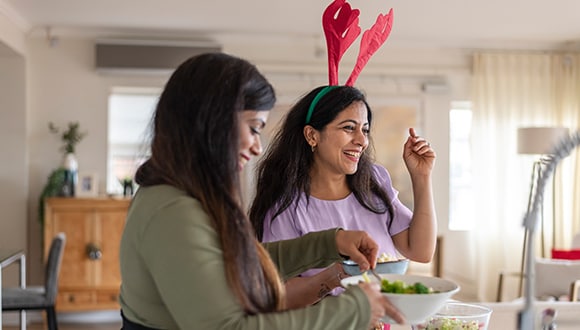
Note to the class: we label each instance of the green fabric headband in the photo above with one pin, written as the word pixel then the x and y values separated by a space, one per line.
pixel 317 98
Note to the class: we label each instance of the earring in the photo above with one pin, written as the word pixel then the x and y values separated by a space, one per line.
pixel 313 147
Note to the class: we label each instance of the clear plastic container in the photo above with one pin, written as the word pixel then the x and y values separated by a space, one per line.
pixel 458 316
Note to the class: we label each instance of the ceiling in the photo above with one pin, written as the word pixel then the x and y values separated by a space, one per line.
pixel 424 23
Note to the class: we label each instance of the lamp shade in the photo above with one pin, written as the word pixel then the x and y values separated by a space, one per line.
pixel 539 140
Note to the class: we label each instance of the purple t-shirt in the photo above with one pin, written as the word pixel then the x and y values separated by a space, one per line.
pixel 346 213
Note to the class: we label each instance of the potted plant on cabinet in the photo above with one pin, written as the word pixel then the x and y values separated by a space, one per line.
pixel 70 138
pixel 61 181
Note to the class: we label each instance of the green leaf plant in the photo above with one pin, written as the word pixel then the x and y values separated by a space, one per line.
pixel 52 188
pixel 70 138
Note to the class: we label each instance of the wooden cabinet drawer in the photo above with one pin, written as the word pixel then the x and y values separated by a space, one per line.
pixel 106 297
pixel 68 299
pixel 85 300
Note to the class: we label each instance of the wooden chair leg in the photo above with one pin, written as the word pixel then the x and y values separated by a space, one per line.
pixel 574 288
pixel 499 288
pixel 51 317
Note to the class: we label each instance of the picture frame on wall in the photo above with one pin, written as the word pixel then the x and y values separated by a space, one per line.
pixel 392 118
pixel 87 184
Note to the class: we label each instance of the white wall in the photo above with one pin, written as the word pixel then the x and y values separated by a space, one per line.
pixel 62 86
pixel 12 37
pixel 13 155
pixel 13 141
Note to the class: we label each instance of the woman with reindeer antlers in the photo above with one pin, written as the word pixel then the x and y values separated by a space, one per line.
pixel 318 171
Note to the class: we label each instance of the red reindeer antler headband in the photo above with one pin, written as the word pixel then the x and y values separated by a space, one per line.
pixel 340 24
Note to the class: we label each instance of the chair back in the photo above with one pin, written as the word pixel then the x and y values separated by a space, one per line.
pixel 576 241
pixel 53 266
pixel 554 277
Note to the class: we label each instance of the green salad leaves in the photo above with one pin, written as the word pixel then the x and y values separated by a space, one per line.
pixel 399 286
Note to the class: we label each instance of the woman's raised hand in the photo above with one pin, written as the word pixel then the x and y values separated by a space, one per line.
pixel 418 154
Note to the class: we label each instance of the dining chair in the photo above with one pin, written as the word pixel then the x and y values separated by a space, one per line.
pixel 39 297
pixel 556 278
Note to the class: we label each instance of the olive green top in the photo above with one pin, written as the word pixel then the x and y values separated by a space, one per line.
pixel 173 276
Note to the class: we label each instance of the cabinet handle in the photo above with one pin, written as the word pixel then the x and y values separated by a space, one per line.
pixel 94 252
pixel 71 298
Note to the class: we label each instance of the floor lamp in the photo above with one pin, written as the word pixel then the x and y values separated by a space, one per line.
pixel 563 148
pixel 538 141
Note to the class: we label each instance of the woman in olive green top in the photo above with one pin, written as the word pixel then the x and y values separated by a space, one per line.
pixel 189 255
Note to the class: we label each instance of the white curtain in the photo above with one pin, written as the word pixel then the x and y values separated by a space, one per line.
pixel 566 77
pixel 512 90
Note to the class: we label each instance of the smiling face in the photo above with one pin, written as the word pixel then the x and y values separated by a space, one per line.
pixel 251 124
pixel 341 143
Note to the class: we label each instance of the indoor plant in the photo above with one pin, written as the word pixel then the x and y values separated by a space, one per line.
pixel 61 180
pixel 70 138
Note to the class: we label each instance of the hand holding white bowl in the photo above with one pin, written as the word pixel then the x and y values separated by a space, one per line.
pixel 416 308
pixel 380 305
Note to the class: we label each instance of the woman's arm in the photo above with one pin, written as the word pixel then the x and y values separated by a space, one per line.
pixel 303 291
pixel 418 242
pixel 186 263
pixel 320 249
pixel 311 251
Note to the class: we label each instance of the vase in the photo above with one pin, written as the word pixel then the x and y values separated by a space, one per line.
pixel 70 165
pixel 127 188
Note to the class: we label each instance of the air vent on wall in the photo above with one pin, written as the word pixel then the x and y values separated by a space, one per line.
pixel 146 56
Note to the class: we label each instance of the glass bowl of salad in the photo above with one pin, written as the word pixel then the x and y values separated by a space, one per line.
pixel 458 316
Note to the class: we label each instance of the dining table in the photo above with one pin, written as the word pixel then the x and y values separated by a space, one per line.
pixel 8 257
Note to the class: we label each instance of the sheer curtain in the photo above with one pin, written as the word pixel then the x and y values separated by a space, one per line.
pixel 511 90
pixel 566 80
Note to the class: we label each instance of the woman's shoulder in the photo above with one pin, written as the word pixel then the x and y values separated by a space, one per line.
pixel 163 196
pixel 163 202
pixel 380 172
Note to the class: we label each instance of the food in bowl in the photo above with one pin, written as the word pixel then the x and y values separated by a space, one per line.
pixel 416 307
pixel 399 286
pixel 458 316
pixel 385 257
pixel 448 324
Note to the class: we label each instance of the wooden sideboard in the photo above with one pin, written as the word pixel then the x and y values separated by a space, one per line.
pixel 89 277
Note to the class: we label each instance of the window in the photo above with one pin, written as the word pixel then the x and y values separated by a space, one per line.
pixel 130 111
pixel 461 203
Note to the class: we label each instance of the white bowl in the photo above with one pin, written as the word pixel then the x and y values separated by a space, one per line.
pixel 388 267
pixel 455 315
pixel 415 307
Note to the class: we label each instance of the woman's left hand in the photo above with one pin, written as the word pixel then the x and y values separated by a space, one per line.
pixel 418 154
pixel 358 246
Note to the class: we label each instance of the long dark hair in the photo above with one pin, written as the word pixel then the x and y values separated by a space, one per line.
pixel 283 172
pixel 195 149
